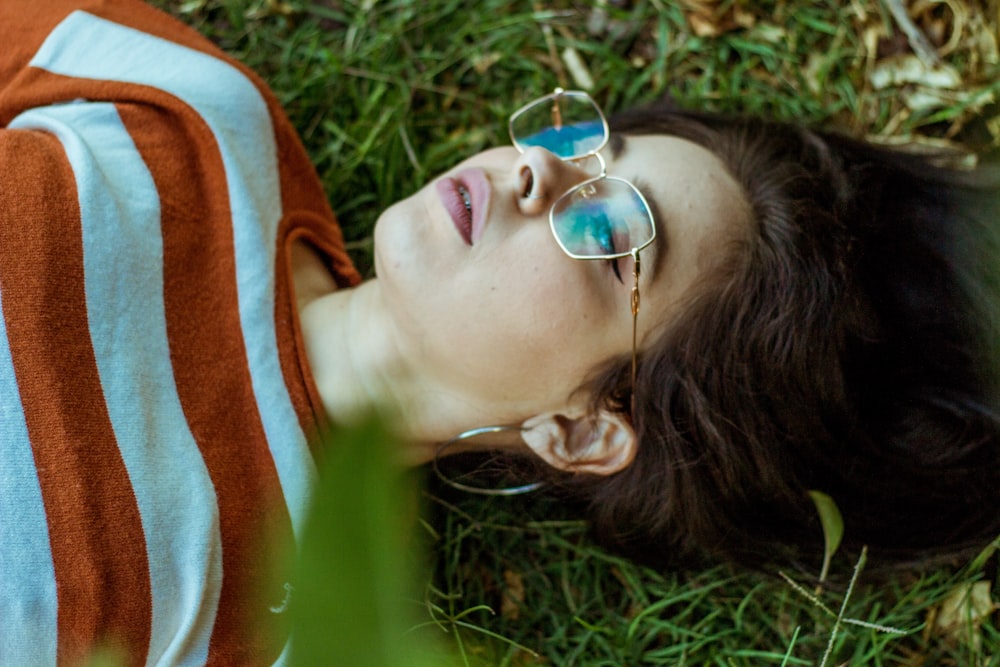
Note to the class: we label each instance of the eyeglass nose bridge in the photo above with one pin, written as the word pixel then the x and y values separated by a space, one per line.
pixel 587 188
pixel 581 162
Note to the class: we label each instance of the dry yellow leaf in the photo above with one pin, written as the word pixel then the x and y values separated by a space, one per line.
pixel 577 68
pixel 959 617
pixel 513 595
pixel 708 18
pixel 482 62
pixel 900 70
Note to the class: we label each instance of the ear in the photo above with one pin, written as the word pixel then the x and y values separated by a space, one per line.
pixel 600 444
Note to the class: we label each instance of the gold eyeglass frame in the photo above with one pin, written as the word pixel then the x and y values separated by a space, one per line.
pixel 584 187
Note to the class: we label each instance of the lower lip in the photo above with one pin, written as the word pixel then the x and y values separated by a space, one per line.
pixel 461 217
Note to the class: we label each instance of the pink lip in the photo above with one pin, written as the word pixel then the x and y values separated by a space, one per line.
pixel 469 227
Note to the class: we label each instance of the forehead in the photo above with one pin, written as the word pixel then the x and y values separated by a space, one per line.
pixel 697 204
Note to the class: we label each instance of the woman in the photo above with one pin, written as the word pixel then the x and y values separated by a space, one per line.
pixel 163 387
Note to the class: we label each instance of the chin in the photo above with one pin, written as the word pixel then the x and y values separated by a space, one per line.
pixel 396 239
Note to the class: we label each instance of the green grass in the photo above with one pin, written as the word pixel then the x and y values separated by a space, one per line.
pixel 553 591
pixel 387 94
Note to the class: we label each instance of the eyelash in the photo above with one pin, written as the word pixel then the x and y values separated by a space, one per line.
pixel 616 269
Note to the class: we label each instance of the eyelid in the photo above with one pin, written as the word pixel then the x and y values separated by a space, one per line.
pixel 647 192
pixel 619 144
pixel 659 245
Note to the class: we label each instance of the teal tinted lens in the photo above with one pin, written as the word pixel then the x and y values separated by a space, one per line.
pixel 601 218
pixel 569 142
pixel 575 129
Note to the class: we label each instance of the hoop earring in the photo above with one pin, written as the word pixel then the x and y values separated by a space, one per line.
pixel 483 491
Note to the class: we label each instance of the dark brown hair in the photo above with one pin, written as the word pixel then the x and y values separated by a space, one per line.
pixel 846 344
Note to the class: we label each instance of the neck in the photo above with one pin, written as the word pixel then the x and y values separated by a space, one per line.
pixel 358 367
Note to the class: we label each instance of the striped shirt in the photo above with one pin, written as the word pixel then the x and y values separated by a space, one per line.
pixel 156 409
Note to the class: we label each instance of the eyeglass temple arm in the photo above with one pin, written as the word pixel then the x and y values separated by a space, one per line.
pixel 636 268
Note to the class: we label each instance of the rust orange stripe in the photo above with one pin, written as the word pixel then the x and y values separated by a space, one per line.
pixel 98 547
pixel 213 381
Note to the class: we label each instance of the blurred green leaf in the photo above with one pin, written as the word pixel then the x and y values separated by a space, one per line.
pixel 833 527
pixel 356 582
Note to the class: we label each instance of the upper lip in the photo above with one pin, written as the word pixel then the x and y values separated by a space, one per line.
pixel 477 185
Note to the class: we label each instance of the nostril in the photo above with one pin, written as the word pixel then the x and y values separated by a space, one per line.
pixel 527 182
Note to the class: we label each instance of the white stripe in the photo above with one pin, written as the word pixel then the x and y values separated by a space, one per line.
pixel 28 620
pixel 87 46
pixel 119 209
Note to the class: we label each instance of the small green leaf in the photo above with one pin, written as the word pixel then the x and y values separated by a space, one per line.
pixel 192 6
pixel 360 561
pixel 833 527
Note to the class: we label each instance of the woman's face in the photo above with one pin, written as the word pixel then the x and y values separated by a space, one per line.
pixel 489 307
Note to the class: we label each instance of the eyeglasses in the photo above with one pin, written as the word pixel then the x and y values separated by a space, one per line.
pixel 604 217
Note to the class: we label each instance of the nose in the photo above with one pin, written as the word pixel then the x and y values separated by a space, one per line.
pixel 541 178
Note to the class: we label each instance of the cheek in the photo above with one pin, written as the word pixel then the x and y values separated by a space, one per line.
pixel 519 316
pixel 529 326
pixel 400 233
pixel 523 333
pixel 529 288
